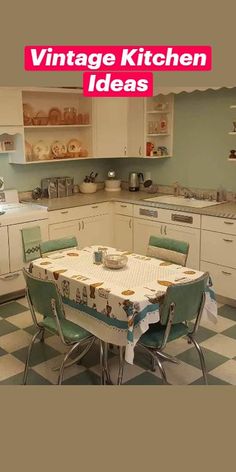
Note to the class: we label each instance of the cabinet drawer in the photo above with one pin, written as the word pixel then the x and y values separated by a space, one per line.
pixel 218 248
pixel 223 278
pixel 76 213
pixel 11 283
pixel 222 225
pixel 124 208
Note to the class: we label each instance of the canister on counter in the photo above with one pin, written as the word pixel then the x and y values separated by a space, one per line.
pixel 61 187
pixel 52 188
pixel 69 186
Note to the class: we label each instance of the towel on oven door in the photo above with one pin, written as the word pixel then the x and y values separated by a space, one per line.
pixel 31 238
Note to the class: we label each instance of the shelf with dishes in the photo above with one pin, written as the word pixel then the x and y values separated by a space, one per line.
pixel 45 151
pixel 159 126
pixel 57 126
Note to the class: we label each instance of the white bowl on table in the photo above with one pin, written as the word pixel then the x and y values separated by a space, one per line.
pixel 115 261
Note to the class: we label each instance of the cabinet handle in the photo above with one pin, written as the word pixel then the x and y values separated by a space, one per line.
pixel 140 150
pixel 64 212
pixel 226 273
pixel 79 226
pixel 95 206
pixel 125 150
pixel 130 223
pixel 165 230
pixel 228 240
pixel 228 222
pixel 123 206
pixel 11 277
pixel 82 225
pixel 161 229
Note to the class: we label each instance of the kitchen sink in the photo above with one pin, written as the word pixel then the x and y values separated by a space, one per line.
pixel 190 202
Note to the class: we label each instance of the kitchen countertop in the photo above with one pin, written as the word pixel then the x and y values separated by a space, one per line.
pixel 223 210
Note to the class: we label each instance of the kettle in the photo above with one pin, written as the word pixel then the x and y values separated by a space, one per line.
pixel 134 181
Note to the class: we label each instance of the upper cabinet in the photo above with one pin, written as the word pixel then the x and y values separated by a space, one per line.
pixel 43 125
pixel 136 141
pixel 159 115
pixel 110 127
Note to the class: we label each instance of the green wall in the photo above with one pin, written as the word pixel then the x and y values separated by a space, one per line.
pixel 201 147
pixel 201 143
pixel 27 177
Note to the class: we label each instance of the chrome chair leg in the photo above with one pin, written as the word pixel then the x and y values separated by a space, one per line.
pixel 42 337
pixel 167 357
pixel 121 365
pixel 106 368
pixel 162 370
pixel 78 358
pixel 29 354
pixel 102 376
pixel 201 357
pixel 62 368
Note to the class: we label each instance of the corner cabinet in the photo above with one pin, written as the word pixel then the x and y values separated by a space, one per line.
pixel 56 125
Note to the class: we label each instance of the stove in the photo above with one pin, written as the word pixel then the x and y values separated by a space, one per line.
pixel 14 216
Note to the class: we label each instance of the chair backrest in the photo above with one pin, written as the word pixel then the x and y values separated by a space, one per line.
pixel 41 293
pixel 186 298
pixel 169 250
pixel 57 244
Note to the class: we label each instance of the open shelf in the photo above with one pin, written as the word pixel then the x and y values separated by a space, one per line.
pixel 7 152
pixel 232 132
pixel 159 134
pixel 150 112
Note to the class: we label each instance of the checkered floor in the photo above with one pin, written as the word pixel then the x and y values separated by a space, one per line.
pixel 16 328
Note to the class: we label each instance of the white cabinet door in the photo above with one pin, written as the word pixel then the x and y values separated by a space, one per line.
pixel 123 232
pixel 15 242
pixel 4 252
pixel 143 229
pixel 11 107
pixel 64 230
pixel 96 230
pixel 136 127
pixel 110 130
pixel 189 235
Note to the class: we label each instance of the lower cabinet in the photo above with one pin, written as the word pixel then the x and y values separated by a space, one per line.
pixel 143 229
pixel 223 278
pixel 123 232
pixel 88 231
pixel 63 230
pixel 4 253
pixel 95 230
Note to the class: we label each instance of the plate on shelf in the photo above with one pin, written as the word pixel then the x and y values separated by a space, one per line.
pixel 58 149
pixel 54 116
pixel 28 113
pixel 41 151
pixel 74 147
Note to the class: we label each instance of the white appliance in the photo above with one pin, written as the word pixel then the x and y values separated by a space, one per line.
pixel 13 217
pixel 112 184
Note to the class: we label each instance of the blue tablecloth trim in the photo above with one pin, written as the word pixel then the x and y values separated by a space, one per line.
pixel 111 321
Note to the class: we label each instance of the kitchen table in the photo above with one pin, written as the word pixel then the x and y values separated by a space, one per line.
pixel 117 306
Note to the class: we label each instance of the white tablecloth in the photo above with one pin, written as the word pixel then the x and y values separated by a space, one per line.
pixel 115 305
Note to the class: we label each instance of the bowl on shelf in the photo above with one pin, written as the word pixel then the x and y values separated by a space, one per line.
pixel 115 261
pixel 40 120
pixel 88 187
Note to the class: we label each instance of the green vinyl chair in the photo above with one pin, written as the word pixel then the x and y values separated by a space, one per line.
pixel 44 299
pixel 58 244
pixel 169 250
pixel 182 302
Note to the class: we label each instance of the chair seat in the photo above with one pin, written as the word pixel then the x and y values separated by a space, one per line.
pixel 154 336
pixel 71 331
